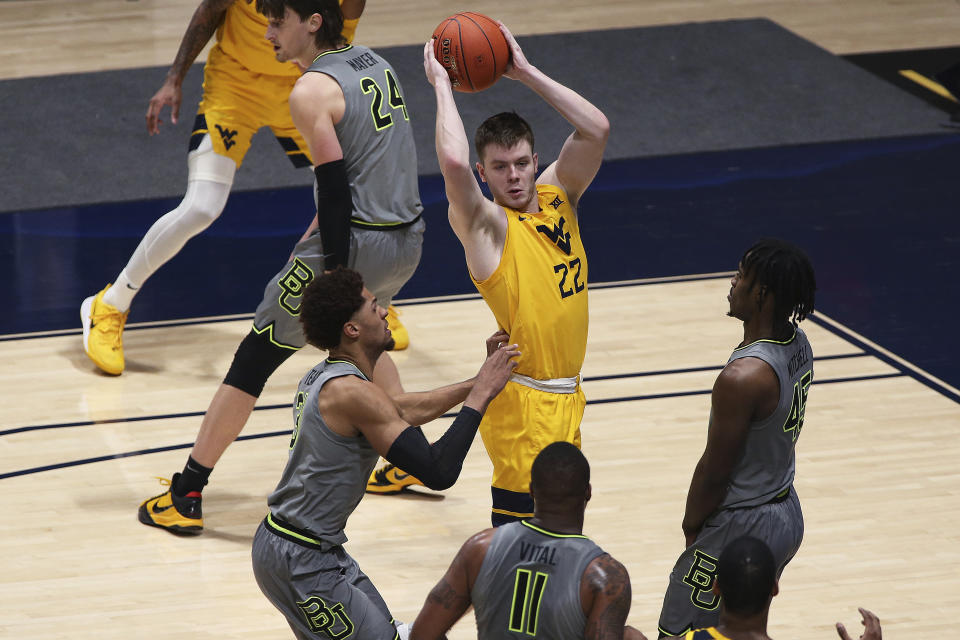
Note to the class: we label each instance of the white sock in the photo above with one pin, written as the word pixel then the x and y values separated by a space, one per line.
pixel 121 293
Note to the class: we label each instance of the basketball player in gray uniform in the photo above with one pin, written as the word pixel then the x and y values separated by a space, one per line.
pixel 743 483
pixel 536 578
pixel 342 423
pixel 349 107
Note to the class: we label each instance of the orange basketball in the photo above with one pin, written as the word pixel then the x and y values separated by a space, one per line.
pixel 472 49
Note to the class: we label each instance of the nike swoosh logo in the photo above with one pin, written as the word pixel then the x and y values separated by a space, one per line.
pixel 158 509
pixel 521 218
pixel 131 287
pixel 400 475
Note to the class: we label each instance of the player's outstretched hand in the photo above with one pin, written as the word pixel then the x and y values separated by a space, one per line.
pixel 432 67
pixel 497 339
pixel 871 627
pixel 168 95
pixel 519 66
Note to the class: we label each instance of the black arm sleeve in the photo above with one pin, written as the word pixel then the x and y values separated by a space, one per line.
pixel 436 465
pixel 334 206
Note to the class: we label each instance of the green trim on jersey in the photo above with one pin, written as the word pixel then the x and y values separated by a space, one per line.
pixel 344 48
pixel 551 533
pixel 792 338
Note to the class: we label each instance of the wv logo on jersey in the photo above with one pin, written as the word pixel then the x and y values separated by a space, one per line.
pixel 227 136
pixel 557 235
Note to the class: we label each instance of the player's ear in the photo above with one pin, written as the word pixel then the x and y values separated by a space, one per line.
pixel 536 162
pixel 315 21
pixel 776 588
pixel 351 330
pixel 588 494
pixel 483 177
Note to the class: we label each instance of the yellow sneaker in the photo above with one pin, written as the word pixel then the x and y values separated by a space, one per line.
pixel 182 516
pixel 389 480
pixel 401 339
pixel 102 333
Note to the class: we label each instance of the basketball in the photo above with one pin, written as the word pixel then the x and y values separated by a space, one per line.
pixel 472 49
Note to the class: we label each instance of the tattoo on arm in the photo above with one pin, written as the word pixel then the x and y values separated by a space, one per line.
pixel 610 583
pixel 446 596
pixel 206 19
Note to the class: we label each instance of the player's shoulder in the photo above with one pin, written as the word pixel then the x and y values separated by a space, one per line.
pixel 605 570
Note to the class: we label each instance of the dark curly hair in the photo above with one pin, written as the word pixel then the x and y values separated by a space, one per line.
pixel 505 129
pixel 330 33
pixel 327 304
pixel 786 272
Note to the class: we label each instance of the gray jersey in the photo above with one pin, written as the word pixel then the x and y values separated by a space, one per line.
pixel 326 473
pixel 375 136
pixel 529 584
pixel 766 468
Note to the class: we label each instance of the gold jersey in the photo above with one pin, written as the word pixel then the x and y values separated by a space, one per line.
pixel 242 36
pixel 538 292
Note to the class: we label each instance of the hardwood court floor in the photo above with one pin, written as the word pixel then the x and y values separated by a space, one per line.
pixel 44 37
pixel 877 476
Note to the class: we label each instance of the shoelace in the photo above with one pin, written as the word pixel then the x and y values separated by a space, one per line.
pixel 111 322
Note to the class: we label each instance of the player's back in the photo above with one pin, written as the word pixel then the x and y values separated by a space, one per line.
pixel 529 584
pixel 375 136
pixel 766 468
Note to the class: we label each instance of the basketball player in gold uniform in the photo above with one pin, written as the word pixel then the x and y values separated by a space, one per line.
pixel 524 254
pixel 245 88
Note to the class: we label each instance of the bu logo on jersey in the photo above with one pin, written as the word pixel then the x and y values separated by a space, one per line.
pixel 557 235
pixel 227 136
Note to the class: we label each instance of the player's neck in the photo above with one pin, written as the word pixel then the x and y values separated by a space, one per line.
pixel 739 627
pixel 763 327
pixel 558 522
pixel 355 356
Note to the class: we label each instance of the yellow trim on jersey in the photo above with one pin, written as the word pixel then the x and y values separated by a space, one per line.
pixel 554 534
pixel 711 630
pixel 512 513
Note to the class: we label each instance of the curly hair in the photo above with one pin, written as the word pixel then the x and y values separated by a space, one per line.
pixel 330 33
pixel 505 129
pixel 786 272
pixel 327 304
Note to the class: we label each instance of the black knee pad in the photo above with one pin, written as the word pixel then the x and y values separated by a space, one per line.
pixel 254 361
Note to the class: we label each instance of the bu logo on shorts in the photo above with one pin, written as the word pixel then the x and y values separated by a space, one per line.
pixel 331 621
pixel 293 283
pixel 700 578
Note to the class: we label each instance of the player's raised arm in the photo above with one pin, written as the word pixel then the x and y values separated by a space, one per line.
pixel 471 214
pixel 582 152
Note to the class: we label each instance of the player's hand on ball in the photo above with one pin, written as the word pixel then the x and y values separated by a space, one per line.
pixel 519 65
pixel 501 337
pixel 432 67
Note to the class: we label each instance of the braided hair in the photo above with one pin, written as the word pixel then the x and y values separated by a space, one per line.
pixel 785 270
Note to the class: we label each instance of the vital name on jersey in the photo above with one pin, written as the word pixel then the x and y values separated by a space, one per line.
pixel 538 553
pixel 363 61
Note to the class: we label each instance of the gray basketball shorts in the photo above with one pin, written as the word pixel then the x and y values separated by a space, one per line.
pixel 323 594
pixel 386 260
pixel 689 602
